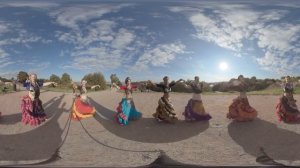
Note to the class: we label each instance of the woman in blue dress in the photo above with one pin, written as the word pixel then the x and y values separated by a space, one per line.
pixel 126 110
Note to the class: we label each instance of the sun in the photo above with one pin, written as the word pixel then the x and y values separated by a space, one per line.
pixel 223 66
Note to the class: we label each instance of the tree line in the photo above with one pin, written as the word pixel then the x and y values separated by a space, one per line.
pixel 97 78
pixel 65 80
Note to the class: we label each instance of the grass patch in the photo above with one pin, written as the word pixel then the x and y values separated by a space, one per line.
pixel 8 89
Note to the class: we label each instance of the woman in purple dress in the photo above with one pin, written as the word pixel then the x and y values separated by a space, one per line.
pixel 195 109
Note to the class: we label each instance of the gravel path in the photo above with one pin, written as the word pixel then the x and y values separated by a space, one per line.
pixel 99 141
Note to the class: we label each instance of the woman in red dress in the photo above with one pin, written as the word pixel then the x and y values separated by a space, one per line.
pixel 286 108
pixel 240 109
pixel 31 106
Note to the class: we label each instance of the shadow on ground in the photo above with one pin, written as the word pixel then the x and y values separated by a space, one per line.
pixel 38 144
pixel 148 129
pixel 15 118
pixel 164 161
pixel 278 143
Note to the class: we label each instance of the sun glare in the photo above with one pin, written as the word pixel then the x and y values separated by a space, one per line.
pixel 223 66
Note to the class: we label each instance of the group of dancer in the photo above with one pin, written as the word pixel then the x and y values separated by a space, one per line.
pixel 239 110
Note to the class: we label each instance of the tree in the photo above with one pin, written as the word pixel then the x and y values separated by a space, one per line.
pixel 96 78
pixel 22 76
pixel 55 78
pixel 115 79
pixel 66 79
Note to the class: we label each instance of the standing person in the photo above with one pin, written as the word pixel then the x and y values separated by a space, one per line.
pixel 14 85
pixel 194 110
pixel 31 105
pixel 81 107
pixel 165 110
pixel 74 87
pixel 286 108
pixel 240 109
pixel 126 110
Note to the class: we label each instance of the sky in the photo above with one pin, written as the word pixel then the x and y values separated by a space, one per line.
pixel 151 39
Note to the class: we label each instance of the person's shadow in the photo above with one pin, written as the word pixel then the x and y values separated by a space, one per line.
pixel 15 118
pixel 278 143
pixel 148 129
pixel 38 144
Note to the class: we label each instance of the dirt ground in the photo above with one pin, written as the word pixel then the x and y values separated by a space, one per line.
pixel 99 141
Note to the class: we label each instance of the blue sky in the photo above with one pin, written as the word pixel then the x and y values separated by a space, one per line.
pixel 150 39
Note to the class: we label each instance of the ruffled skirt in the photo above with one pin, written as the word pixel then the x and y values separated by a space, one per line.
pixel 165 111
pixel 195 111
pixel 287 110
pixel 126 112
pixel 82 109
pixel 32 111
pixel 240 110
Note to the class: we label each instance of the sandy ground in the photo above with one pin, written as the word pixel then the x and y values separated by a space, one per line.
pixel 99 141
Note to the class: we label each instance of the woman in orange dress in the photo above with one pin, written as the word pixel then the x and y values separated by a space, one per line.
pixel 286 108
pixel 240 109
pixel 81 107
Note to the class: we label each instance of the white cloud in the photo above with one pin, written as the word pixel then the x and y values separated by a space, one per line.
pixel 229 25
pixel 72 16
pixel 278 37
pixel 14 34
pixel 8 74
pixel 97 44
pixel 3 28
pixel 123 39
pixel 101 46
pixel 37 67
pixel 159 56
pixel 32 4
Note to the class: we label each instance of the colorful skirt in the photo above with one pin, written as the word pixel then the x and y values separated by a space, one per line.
pixel 287 111
pixel 195 111
pixel 82 109
pixel 165 111
pixel 240 110
pixel 126 112
pixel 32 111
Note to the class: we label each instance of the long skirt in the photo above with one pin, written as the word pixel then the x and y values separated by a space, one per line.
pixel 287 110
pixel 165 111
pixel 32 111
pixel 240 110
pixel 82 109
pixel 126 112
pixel 195 111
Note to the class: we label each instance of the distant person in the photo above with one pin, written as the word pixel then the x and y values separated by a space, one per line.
pixel 286 108
pixel 81 106
pixel 240 109
pixel 14 85
pixel 74 88
pixel 165 110
pixel 194 110
pixel 31 106
pixel 126 110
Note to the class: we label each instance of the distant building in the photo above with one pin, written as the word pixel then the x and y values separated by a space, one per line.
pixel 8 83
